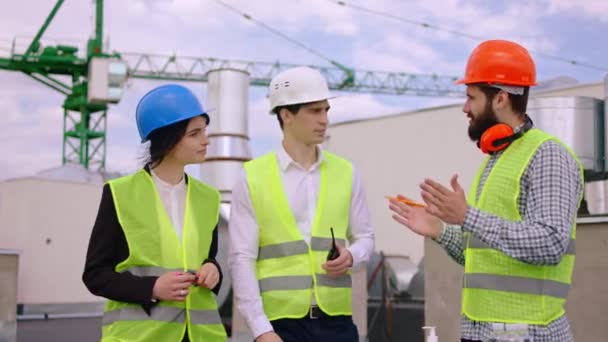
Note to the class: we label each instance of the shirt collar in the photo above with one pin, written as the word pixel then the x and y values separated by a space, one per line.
pixel 527 121
pixel 285 159
pixel 164 185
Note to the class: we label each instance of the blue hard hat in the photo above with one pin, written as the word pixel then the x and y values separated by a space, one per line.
pixel 166 105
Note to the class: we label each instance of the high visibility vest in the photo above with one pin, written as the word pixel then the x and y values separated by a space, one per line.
pixel 289 269
pixel 154 249
pixel 497 287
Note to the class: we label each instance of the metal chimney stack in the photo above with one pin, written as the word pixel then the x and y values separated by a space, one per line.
pixel 227 100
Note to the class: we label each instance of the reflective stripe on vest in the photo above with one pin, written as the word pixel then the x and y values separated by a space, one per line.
pixel 541 287
pixel 303 282
pixel 496 287
pixel 153 271
pixel 155 249
pixel 474 242
pixel 280 250
pixel 168 314
pixel 289 271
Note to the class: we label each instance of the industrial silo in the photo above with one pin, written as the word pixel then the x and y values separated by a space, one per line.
pixel 227 101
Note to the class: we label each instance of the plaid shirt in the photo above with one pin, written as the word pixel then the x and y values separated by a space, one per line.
pixel 550 190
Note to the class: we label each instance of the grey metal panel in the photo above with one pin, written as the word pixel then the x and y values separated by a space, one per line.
pixel 605 123
pixel 577 121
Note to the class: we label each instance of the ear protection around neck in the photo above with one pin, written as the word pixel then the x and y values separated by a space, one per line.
pixel 500 136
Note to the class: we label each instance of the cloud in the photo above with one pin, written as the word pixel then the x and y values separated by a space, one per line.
pixel 261 123
pixel 32 113
pixel 400 53
pixel 594 9
pixel 30 127
pixel 406 45
pixel 299 16
pixel 352 107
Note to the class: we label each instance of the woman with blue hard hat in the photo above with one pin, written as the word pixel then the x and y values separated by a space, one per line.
pixel 153 246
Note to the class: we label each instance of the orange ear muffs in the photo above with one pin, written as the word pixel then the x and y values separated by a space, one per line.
pixel 500 136
pixel 496 138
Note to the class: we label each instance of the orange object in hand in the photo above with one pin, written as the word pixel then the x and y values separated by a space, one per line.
pixel 407 201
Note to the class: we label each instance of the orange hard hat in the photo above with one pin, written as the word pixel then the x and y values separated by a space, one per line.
pixel 500 62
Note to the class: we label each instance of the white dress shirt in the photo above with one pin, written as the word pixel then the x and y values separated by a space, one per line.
pixel 174 201
pixel 301 187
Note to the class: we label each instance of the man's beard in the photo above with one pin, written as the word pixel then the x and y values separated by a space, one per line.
pixel 481 123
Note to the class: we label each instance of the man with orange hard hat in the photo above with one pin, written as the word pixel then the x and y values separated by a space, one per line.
pixel 515 231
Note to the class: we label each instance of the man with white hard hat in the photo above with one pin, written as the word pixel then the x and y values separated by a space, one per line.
pixel 293 210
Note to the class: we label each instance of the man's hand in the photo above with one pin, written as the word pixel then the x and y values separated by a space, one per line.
pixel 270 336
pixel 340 265
pixel 417 219
pixel 448 205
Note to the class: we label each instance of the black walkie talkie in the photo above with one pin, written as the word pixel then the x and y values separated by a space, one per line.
pixel 333 252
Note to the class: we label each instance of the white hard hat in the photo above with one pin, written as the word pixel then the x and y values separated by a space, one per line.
pixel 297 85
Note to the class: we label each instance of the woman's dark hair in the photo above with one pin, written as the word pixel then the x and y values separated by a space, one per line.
pixel 163 140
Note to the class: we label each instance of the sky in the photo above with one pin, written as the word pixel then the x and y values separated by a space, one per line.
pixel 31 117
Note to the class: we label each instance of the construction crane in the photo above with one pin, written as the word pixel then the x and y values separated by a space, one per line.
pixel 98 79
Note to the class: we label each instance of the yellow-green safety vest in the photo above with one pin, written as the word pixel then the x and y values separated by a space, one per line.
pixel 289 269
pixel 154 249
pixel 497 287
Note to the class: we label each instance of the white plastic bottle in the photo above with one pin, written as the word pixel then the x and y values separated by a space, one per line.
pixel 431 336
